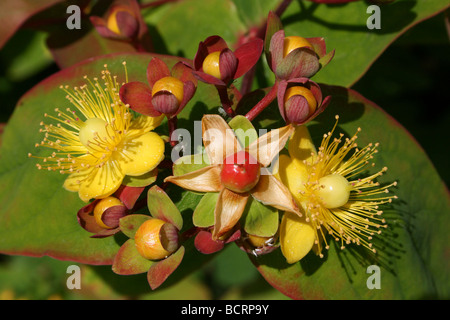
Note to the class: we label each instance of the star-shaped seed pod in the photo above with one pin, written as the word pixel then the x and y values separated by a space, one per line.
pixel 237 174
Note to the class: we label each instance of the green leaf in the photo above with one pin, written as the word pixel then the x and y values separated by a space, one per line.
pixel 162 207
pixel 411 252
pixel 204 212
pixel 260 220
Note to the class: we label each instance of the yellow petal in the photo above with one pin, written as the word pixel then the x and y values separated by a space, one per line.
pixel 141 154
pixel 267 147
pixel 102 182
pixel 272 192
pixel 206 179
pixel 301 145
pixel 73 181
pixel 296 237
pixel 293 174
pixel 143 123
pixel 218 138
pixel 228 211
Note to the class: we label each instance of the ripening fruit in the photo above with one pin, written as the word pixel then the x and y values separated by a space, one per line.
pixel 211 64
pixel 240 172
pixel 293 42
pixel 173 85
pixel 156 239
pixel 101 207
pixel 334 191
pixel 302 91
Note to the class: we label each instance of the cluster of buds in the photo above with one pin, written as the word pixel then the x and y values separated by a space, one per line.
pixel 294 60
pixel 236 181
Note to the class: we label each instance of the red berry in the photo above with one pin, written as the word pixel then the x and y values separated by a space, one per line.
pixel 240 172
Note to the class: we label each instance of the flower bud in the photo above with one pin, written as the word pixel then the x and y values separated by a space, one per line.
pixel 102 206
pixel 156 239
pixel 211 64
pixel 167 95
pixel 293 42
pixel 122 21
pixel 304 92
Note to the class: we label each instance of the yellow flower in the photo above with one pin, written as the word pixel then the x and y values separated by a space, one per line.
pixel 100 141
pixel 332 195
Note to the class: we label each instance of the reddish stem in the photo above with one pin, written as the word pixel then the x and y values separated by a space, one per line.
pixel 225 100
pixel 263 103
pixel 258 33
pixel 172 123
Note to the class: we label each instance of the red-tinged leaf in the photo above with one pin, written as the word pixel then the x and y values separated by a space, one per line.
pixel 139 96
pixel 14 13
pixel 86 218
pixel 106 233
pixel 128 261
pixel 205 243
pixel 157 69
pixel 161 270
pixel 131 223
pixel 227 64
pixel 162 207
pixel 183 72
pixel 204 77
pixel 129 195
pixel 273 25
pixel 189 89
pixel 248 54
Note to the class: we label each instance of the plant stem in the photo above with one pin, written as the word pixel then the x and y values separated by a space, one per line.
pixel 225 100
pixel 172 123
pixel 263 103
pixel 258 33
